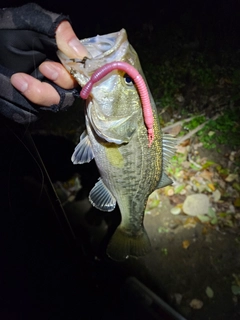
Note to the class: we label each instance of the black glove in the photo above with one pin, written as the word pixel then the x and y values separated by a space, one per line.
pixel 27 37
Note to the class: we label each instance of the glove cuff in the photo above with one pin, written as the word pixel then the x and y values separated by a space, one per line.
pixel 38 19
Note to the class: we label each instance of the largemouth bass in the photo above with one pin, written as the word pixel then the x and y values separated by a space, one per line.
pixel 131 164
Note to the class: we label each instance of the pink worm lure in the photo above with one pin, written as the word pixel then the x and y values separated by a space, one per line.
pixel 141 86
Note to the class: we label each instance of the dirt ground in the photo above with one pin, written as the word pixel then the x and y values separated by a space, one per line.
pixel 184 274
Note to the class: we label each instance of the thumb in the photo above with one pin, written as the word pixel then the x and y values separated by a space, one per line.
pixel 68 42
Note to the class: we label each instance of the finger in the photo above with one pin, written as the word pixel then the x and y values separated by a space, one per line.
pixel 58 74
pixel 38 92
pixel 68 42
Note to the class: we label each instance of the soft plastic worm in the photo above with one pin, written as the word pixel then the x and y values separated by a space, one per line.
pixel 138 80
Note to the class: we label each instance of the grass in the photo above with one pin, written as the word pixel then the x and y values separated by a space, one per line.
pixel 223 131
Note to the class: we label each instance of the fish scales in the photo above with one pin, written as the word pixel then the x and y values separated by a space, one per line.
pixel 116 137
pixel 131 184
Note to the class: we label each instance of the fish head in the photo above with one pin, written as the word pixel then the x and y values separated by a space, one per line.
pixel 114 107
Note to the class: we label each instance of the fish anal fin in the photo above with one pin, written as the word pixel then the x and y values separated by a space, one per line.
pixel 83 152
pixel 165 181
pixel 101 198
pixel 123 244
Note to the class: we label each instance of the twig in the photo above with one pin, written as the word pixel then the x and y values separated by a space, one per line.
pixel 194 163
pixel 165 129
pixel 191 133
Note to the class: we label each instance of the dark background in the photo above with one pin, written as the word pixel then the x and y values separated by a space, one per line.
pixel 199 19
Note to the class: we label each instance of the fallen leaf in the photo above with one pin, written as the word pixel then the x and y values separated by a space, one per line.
pixel 153 203
pixel 186 164
pixel 164 251
pixel 178 199
pixel 228 223
pixel 207 175
pixel 211 186
pixel 235 290
pixel 174 130
pixel 216 195
pixel 178 298
pixel 185 143
pixel 179 98
pixel 237 216
pixel 237 202
pixel 211 213
pixel 178 189
pixel 190 223
pixel 181 149
pixel 236 186
pixel 214 220
pixel 163 230
pixel 183 192
pixel 236 278
pixel 170 192
pixel 224 172
pixel 232 156
pixel 209 292
pixel 204 230
pixel 211 133
pixel 185 244
pixel 203 218
pixel 196 304
pixel 176 210
pixel 231 177
pixel 208 164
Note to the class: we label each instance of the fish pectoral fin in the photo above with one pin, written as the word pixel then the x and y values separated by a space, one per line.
pixel 165 181
pixel 101 198
pixel 83 152
pixel 124 244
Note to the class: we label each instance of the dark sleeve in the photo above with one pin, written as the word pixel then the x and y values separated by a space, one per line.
pixel 27 37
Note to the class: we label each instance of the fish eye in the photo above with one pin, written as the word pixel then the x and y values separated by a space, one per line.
pixel 128 80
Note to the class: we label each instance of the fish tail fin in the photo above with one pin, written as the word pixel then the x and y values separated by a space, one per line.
pixel 122 244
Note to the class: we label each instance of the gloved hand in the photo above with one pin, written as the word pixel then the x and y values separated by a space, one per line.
pixel 27 37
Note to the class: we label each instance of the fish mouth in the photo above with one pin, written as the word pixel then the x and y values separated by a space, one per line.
pixel 101 49
pixel 103 46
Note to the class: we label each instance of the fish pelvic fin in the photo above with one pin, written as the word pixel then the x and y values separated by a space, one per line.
pixel 101 198
pixel 123 244
pixel 83 152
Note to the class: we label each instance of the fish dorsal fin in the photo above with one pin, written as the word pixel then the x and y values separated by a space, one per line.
pixel 165 181
pixel 169 148
pixel 83 151
pixel 101 198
